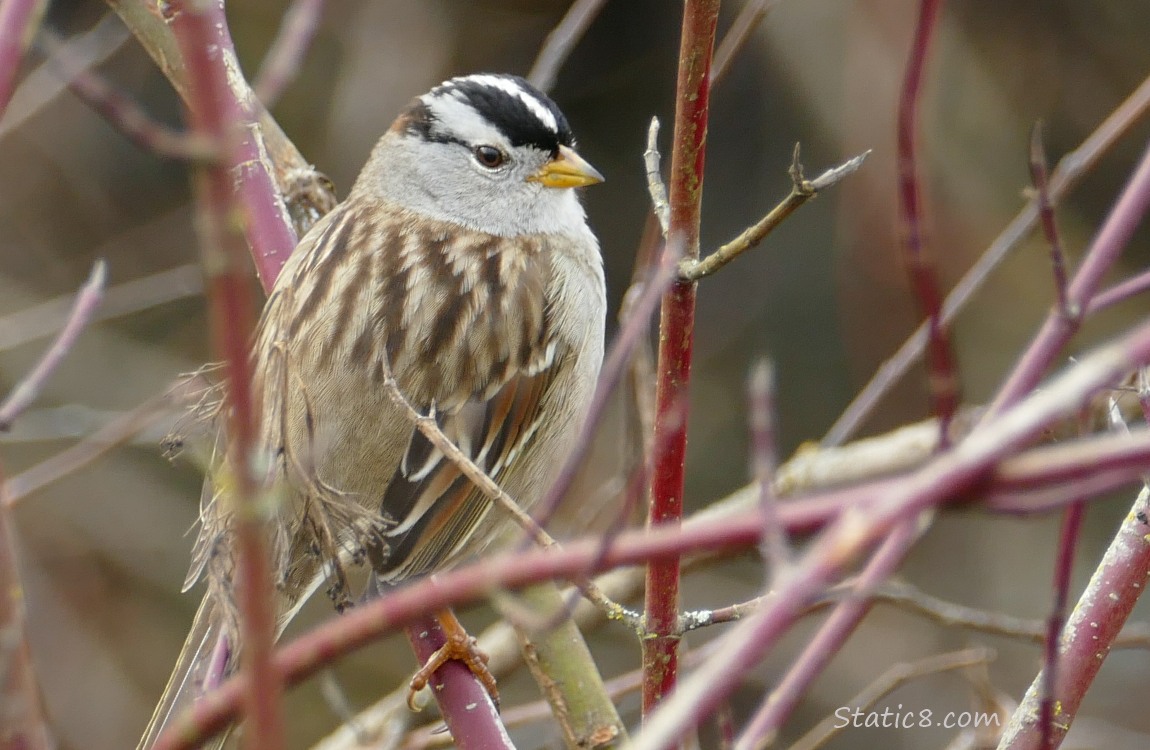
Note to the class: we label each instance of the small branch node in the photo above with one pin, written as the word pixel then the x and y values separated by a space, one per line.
pixel 655 185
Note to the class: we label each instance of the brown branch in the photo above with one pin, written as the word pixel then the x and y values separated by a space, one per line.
pixel 802 190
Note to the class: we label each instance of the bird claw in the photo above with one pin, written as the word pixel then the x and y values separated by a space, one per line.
pixel 459 647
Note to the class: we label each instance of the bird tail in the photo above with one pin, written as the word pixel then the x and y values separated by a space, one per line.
pixel 204 661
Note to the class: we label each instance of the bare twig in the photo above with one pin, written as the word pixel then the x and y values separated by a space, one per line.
pixel 1040 178
pixel 1070 170
pixel 26 391
pixel 283 60
pixel 952 472
pixel 942 369
pixel 561 41
pixel 655 186
pixel 1120 292
pixel 120 110
pixel 764 462
pixel 735 39
pixel 125 298
pixel 614 367
pixel 1057 330
pixel 23 723
pixel 830 638
pixel 82 454
pixel 18 21
pixel 43 85
pixel 802 190
pixel 887 683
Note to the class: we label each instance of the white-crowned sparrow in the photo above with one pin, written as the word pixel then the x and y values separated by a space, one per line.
pixel 462 263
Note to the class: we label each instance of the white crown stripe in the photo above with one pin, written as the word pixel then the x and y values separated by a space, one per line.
pixel 510 87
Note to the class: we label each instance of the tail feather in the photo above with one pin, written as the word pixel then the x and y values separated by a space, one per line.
pixel 200 663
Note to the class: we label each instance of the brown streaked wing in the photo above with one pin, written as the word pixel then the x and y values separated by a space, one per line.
pixel 438 513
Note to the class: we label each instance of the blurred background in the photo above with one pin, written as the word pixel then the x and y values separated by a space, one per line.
pixel 104 551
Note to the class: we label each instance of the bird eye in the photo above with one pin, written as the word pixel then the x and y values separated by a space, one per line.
pixel 489 156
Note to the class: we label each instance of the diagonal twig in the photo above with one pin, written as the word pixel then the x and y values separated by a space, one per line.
pixel 25 392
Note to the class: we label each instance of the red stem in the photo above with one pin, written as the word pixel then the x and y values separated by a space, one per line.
pixel 1058 329
pixel 676 331
pixel 942 372
pixel 1102 610
pixel 459 693
pixel 215 113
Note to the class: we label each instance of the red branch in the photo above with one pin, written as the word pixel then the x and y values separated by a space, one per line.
pixel 316 650
pixel 214 113
pixel 942 371
pixel 1103 609
pixel 1058 329
pixel 676 331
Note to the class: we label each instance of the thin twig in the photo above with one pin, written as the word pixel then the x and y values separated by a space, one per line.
pixel 610 375
pixel 26 391
pixel 764 462
pixel 1040 178
pixel 283 60
pixel 24 724
pixel 951 473
pixel 942 369
pixel 802 190
pixel 831 637
pixel 40 87
pixel 656 189
pixel 120 111
pixel 559 44
pixel 83 453
pixel 18 21
pixel 1070 170
pixel 127 297
pixel 887 683
pixel 1120 292
pixel 735 39
pixel 1057 329
pixel 483 482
